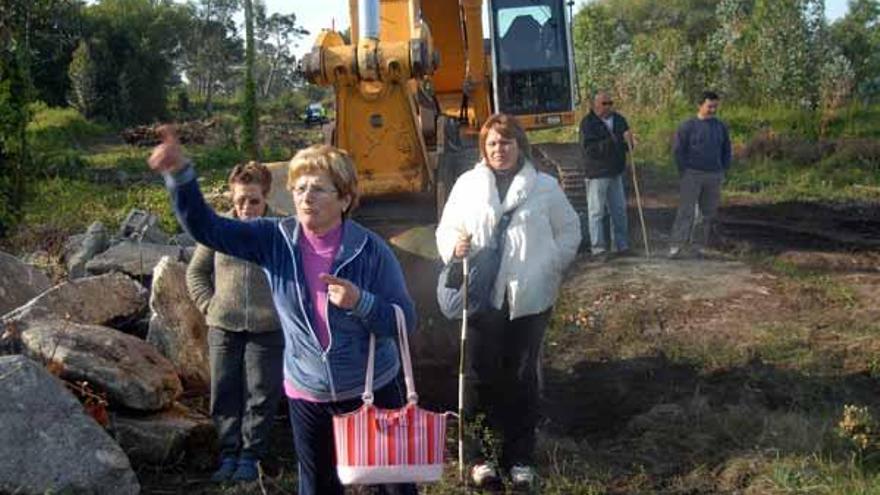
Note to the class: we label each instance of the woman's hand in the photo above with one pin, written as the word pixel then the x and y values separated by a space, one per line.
pixel 462 246
pixel 167 158
pixel 340 291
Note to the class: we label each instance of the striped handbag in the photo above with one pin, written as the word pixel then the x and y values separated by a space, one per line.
pixel 375 446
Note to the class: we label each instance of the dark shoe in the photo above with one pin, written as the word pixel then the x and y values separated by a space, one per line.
pixel 624 253
pixel 246 471
pixel 228 466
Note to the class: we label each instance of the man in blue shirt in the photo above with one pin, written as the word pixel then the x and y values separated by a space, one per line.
pixel 702 153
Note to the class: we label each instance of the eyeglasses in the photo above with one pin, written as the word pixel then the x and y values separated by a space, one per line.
pixel 607 103
pixel 315 190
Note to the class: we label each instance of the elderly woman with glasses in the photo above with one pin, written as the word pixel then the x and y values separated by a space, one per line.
pixel 244 336
pixel 333 283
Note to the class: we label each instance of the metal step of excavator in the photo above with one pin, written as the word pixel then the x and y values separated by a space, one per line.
pixel 565 162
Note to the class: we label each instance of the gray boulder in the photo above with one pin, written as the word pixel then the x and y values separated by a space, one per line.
pixel 134 258
pixel 140 225
pixel 96 240
pixel 130 371
pixel 101 300
pixel 178 328
pixel 172 436
pixel 19 282
pixel 183 239
pixel 47 442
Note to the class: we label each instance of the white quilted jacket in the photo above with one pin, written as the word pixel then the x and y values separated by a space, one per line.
pixel 541 240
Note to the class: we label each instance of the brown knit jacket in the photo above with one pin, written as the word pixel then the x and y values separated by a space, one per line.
pixel 233 294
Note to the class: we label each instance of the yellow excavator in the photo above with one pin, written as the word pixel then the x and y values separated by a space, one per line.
pixel 417 79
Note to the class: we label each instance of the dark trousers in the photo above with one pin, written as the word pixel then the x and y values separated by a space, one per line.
pixel 501 385
pixel 312 424
pixel 246 385
pixel 698 190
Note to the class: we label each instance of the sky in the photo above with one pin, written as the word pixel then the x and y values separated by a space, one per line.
pixel 321 13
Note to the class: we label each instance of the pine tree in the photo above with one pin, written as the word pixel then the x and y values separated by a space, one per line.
pixel 83 80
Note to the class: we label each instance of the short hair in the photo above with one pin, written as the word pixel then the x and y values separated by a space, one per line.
pixel 509 128
pixel 708 95
pixel 330 160
pixel 251 173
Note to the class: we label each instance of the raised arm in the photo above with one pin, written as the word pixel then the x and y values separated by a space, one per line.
pixel 250 240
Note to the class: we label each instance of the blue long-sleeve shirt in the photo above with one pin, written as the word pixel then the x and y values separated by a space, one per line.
pixel 702 144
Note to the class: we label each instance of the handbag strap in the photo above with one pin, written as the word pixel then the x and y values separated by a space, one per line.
pixel 406 360
pixel 501 227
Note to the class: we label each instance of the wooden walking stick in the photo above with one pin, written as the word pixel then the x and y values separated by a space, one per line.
pixel 632 166
pixel 464 320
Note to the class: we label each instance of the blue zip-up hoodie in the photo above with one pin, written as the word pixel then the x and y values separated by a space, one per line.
pixel 338 372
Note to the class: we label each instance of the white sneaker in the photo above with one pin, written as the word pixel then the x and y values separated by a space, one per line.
pixel 522 475
pixel 484 474
pixel 674 252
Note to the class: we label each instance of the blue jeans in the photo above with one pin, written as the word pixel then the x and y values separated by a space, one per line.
pixel 246 385
pixel 605 196
pixel 312 424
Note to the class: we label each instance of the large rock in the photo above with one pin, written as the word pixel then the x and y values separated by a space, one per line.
pixel 95 240
pixel 19 282
pixel 168 437
pixel 129 370
pixel 47 442
pixel 134 258
pixel 106 300
pixel 177 327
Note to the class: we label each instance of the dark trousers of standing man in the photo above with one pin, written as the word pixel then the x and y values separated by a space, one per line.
pixel 312 424
pixel 501 384
pixel 701 189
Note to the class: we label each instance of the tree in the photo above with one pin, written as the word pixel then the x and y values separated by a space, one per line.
pixel 857 34
pixel 212 51
pixel 276 64
pixel 55 28
pixel 249 136
pixel 787 50
pixel 134 44
pixel 15 94
pixel 83 80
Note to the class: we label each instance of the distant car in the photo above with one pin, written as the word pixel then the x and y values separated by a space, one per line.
pixel 315 114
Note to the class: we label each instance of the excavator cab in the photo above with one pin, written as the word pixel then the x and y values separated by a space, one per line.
pixel 532 61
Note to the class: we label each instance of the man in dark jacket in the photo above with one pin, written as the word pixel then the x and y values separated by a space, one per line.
pixel 606 139
pixel 702 153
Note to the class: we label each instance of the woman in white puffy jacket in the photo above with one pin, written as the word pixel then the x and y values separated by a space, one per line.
pixel 504 343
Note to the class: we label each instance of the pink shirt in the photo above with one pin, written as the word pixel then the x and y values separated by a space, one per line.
pixel 318 253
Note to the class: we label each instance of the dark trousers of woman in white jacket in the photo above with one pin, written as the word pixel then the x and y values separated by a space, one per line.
pixel 501 385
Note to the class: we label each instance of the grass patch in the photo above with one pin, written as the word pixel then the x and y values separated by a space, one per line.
pixel 76 203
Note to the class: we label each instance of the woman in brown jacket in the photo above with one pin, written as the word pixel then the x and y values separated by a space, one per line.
pixel 245 342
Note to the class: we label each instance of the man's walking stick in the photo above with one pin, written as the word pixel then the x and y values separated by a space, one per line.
pixel 464 323
pixel 632 166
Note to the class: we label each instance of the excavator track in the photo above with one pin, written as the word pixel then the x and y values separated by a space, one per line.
pixel 564 161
